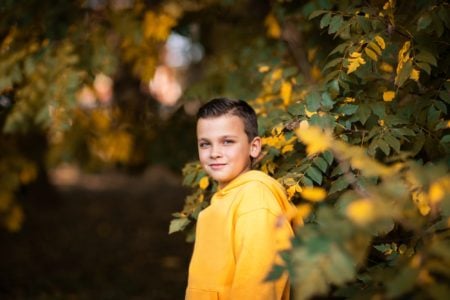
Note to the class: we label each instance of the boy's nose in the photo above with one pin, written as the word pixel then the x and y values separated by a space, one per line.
pixel 215 152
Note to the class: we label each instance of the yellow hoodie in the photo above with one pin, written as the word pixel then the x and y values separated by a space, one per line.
pixel 237 238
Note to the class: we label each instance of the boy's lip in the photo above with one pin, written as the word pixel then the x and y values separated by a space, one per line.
pixel 216 166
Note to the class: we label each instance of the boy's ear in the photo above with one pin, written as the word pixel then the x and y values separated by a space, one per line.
pixel 255 147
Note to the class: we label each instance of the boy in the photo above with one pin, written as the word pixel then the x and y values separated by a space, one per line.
pixel 236 236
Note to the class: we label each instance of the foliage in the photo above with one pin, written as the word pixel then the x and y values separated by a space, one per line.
pixel 58 103
pixel 354 118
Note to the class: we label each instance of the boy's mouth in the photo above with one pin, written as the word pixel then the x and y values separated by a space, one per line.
pixel 216 166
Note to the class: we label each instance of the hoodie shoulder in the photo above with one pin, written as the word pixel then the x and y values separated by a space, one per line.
pixel 260 192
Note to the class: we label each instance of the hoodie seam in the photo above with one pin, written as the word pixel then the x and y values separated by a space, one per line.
pixel 257 209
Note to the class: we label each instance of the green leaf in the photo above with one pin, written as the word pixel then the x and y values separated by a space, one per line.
pixel 328 157
pixel 402 283
pixel 445 95
pixel 425 56
pixel 296 109
pixel 424 66
pixel 423 22
pixel 327 102
pixel 445 139
pixel 363 113
pixel 437 24
pixel 383 247
pixel 443 14
pixel 338 185
pixel 320 163
pixel 306 181
pixel 325 21
pixel 341 266
pixel 316 13
pixel 403 132
pixel 335 24
pixel 348 109
pixel 379 143
pixel 340 48
pixel 275 272
pixel 337 171
pixel 392 141
pixel 313 100
pixel 332 75
pixel 332 63
pixel 364 24
pixel 314 174
pixel 178 224
pixel 378 108
pixel 404 74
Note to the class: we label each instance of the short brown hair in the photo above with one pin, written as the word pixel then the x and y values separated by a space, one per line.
pixel 221 106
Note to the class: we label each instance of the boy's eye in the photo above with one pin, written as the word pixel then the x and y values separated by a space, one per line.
pixel 228 142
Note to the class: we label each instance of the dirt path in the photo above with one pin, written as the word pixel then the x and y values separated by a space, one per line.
pixel 106 238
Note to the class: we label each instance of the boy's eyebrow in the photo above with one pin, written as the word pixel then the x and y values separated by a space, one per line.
pixel 221 137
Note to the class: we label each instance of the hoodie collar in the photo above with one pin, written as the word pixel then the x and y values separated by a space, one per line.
pixel 254 175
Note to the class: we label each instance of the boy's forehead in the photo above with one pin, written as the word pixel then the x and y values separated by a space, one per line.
pixel 224 124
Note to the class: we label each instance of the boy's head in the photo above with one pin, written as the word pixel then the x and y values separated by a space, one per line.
pixel 221 106
pixel 227 134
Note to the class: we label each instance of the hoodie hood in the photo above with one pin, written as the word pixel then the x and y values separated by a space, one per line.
pixel 251 176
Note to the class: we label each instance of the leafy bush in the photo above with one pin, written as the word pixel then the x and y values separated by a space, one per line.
pixel 354 122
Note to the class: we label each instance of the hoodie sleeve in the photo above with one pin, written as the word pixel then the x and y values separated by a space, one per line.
pixel 255 247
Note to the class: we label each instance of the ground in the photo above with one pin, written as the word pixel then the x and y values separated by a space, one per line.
pixel 105 237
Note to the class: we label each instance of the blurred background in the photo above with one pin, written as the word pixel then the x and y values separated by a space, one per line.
pixel 97 99
pixel 98 149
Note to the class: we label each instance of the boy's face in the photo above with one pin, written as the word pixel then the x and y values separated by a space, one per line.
pixel 224 149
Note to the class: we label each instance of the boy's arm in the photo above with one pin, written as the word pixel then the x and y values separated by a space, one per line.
pixel 255 253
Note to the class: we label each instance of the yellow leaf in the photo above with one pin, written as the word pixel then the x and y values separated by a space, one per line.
pixel 415 74
pixel 286 92
pixel 361 211
pixel 425 277
pixel 201 198
pixel 312 53
pixel 303 211
pixel 370 53
pixel 263 69
pixel 315 140
pixel 436 192
pixel 28 174
pixel 315 72
pixel 203 183
pixel 14 219
pixel 374 46
pixel 287 148
pixel 313 194
pixel 349 100
pixel 291 191
pixel 421 201
pixel 309 114
pixel 403 54
pixel 355 63
pixel 157 26
pixel 385 67
pixel 276 74
pixel 355 54
pixel 273 27
pixel 388 96
pixel 380 42
pixel 5 200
